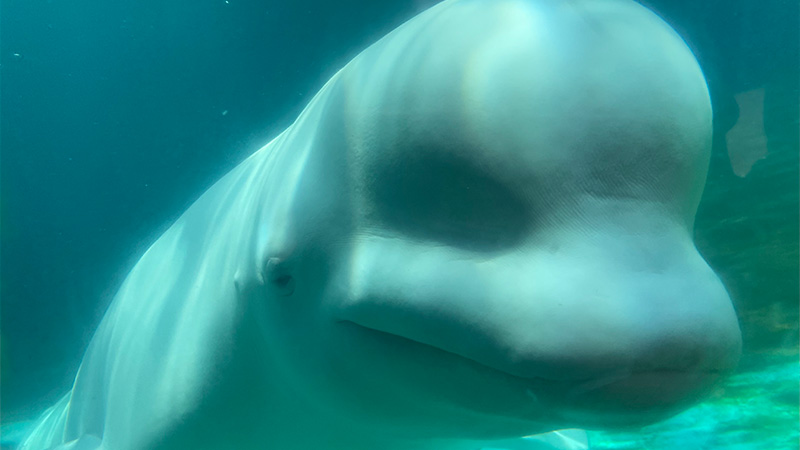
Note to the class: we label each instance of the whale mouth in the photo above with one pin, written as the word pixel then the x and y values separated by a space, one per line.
pixel 623 398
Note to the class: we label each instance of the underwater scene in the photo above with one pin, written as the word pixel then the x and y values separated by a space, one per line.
pixel 400 225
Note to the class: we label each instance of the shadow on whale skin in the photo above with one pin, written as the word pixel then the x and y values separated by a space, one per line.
pixel 479 229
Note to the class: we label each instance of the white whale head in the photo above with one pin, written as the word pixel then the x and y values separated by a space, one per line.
pixel 490 227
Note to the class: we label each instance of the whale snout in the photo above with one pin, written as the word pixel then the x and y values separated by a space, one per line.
pixel 602 322
pixel 600 336
pixel 669 360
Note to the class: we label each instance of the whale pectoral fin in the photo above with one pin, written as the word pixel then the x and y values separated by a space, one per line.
pixel 556 440
pixel 85 442
pixel 12 434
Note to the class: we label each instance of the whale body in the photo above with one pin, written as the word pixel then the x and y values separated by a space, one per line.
pixel 479 229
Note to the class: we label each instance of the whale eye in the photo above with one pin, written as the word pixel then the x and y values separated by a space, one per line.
pixel 283 281
pixel 278 277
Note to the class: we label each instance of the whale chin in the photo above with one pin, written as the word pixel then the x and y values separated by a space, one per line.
pixel 633 400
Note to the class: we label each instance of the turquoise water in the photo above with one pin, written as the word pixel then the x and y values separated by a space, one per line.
pixel 753 411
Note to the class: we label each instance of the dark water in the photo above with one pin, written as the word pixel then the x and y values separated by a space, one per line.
pixel 115 116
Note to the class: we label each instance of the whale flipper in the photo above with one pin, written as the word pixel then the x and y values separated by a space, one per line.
pixel 49 428
pixel 571 439
pixel 86 442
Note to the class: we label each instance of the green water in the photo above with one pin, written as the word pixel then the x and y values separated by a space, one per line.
pixel 752 411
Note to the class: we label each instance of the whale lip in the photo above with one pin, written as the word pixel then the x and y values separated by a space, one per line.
pixel 630 397
pixel 581 384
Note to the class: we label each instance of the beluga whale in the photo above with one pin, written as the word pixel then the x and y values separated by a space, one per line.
pixel 478 234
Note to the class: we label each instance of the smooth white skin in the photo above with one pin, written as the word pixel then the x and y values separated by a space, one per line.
pixel 480 228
